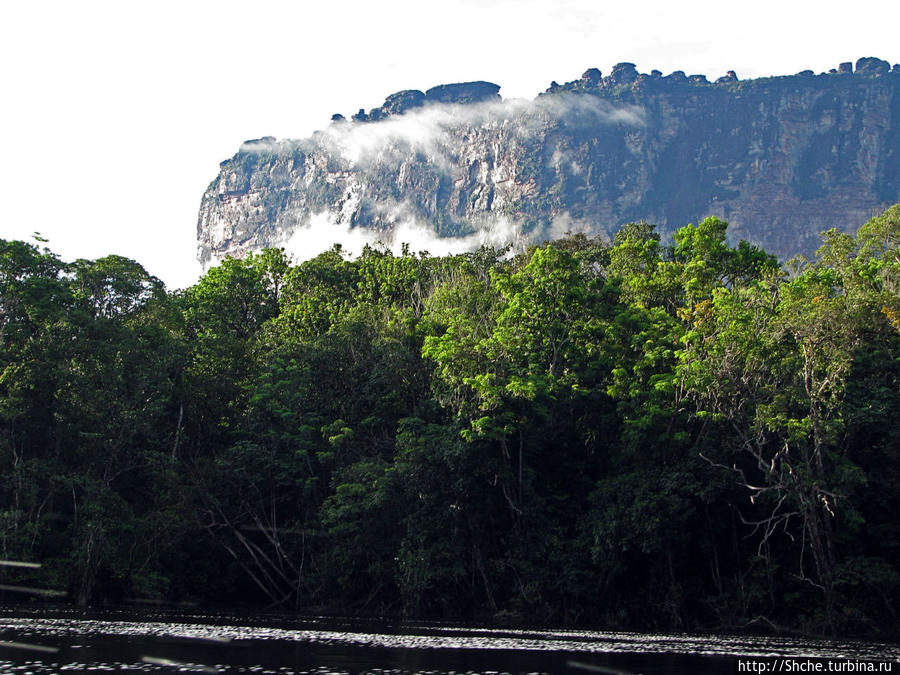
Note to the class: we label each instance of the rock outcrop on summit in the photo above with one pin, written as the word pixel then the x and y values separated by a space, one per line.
pixel 779 158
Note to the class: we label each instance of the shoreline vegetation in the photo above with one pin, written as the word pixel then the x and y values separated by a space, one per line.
pixel 624 435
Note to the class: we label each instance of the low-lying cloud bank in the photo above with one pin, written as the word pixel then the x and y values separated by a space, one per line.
pixel 321 233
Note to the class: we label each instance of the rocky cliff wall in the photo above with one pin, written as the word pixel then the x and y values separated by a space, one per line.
pixel 780 158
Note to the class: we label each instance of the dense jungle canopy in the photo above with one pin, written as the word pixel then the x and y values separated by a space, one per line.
pixel 622 434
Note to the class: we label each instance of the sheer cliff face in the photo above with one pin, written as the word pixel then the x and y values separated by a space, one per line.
pixel 780 159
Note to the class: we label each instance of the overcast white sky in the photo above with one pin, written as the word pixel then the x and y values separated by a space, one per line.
pixel 115 115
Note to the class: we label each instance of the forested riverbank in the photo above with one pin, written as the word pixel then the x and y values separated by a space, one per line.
pixel 625 434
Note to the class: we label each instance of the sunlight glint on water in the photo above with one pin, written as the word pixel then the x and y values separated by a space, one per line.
pixel 220 643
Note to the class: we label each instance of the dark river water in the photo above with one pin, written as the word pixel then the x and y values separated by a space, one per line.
pixel 47 641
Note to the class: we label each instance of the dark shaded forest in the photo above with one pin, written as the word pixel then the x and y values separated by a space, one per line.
pixel 620 434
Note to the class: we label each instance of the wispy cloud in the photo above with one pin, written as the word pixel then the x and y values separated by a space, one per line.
pixel 434 129
pixel 564 224
pixel 321 232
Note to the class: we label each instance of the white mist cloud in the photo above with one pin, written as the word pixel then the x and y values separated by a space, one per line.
pixel 322 232
pixel 431 129
pixel 589 110
pixel 267 144
pixel 564 224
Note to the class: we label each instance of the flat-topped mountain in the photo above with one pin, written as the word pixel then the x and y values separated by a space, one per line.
pixel 779 158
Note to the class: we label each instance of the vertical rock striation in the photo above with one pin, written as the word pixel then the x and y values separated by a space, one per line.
pixel 780 158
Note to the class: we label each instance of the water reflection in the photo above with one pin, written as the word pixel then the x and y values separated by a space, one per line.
pixel 162 642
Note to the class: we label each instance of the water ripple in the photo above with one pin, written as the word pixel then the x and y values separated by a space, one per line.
pixel 431 637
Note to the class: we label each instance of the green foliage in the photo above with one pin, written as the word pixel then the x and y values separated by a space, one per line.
pixel 627 434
